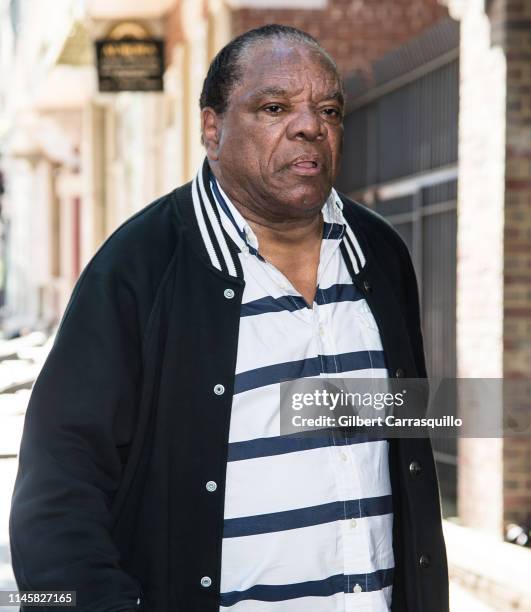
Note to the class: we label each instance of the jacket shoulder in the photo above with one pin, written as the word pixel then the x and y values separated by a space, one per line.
pixel 130 268
pixel 145 240
pixel 376 231
pixel 141 248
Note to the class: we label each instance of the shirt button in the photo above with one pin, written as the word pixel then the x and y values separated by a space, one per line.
pixel 424 561
pixel 353 523
pixel 321 329
pixel 206 581
pixel 415 468
pixel 344 456
pixel 219 389
pixel 357 588
pixel 228 293
pixel 211 486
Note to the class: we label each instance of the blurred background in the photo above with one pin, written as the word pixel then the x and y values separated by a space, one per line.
pixel 99 115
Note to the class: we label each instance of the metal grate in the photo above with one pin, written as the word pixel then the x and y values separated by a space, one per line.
pixel 400 152
pixel 405 132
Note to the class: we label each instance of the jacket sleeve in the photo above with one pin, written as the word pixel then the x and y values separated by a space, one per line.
pixel 69 462
pixel 412 309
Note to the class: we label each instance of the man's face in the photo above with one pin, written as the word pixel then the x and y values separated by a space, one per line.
pixel 278 144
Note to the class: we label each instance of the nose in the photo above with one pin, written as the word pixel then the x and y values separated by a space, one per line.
pixel 306 124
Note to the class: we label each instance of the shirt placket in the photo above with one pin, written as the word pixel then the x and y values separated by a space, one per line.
pixel 353 535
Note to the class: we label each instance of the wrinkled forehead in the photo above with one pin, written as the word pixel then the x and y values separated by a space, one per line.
pixel 286 66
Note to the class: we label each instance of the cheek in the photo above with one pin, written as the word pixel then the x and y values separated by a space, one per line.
pixel 235 142
pixel 261 153
pixel 244 144
pixel 336 148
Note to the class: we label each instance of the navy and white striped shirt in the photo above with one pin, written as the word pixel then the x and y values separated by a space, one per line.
pixel 307 520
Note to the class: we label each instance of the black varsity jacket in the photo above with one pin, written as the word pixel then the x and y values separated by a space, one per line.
pixel 123 428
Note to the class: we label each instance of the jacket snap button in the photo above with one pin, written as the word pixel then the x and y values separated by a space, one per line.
pixel 415 468
pixel 211 486
pixel 206 581
pixel 424 561
pixel 367 286
pixel 228 293
pixel 399 373
pixel 219 389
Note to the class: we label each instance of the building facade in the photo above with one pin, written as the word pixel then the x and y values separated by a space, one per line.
pixel 87 160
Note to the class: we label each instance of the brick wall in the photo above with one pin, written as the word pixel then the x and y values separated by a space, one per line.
pixel 355 32
pixel 516 40
pixel 494 246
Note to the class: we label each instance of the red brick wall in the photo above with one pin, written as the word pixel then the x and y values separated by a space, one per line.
pixel 517 246
pixel 355 32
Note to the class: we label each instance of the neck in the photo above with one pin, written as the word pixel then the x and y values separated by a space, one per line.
pixel 287 233
pixel 272 230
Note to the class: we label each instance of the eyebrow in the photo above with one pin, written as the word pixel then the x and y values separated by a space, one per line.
pixel 273 90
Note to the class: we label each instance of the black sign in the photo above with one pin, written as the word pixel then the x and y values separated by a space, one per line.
pixel 130 64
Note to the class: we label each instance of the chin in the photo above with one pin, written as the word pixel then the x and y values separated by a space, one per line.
pixel 307 200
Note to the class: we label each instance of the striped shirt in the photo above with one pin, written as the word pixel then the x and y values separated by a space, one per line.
pixel 307 520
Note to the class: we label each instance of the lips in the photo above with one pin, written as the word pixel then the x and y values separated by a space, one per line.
pixel 307 165
pixel 307 161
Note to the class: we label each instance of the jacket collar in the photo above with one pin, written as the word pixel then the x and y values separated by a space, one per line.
pixel 217 244
pixel 220 249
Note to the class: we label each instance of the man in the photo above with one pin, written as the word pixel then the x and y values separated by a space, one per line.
pixel 152 474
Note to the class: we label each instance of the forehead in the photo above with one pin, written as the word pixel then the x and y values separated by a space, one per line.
pixel 290 66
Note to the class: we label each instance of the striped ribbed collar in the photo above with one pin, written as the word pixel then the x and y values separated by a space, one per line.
pixel 222 249
pixel 245 238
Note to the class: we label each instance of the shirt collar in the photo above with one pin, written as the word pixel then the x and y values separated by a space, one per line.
pixel 222 252
pixel 245 238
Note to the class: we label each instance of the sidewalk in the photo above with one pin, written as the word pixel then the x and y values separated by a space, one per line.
pixel 8 470
pixel 20 361
pixel 462 600
pixel 494 571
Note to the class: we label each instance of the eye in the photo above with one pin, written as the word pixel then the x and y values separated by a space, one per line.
pixel 273 109
pixel 332 112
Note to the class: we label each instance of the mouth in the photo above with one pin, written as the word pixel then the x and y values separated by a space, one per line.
pixel 307 166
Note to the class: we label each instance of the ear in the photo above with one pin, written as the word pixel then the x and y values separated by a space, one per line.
pixel 211 124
